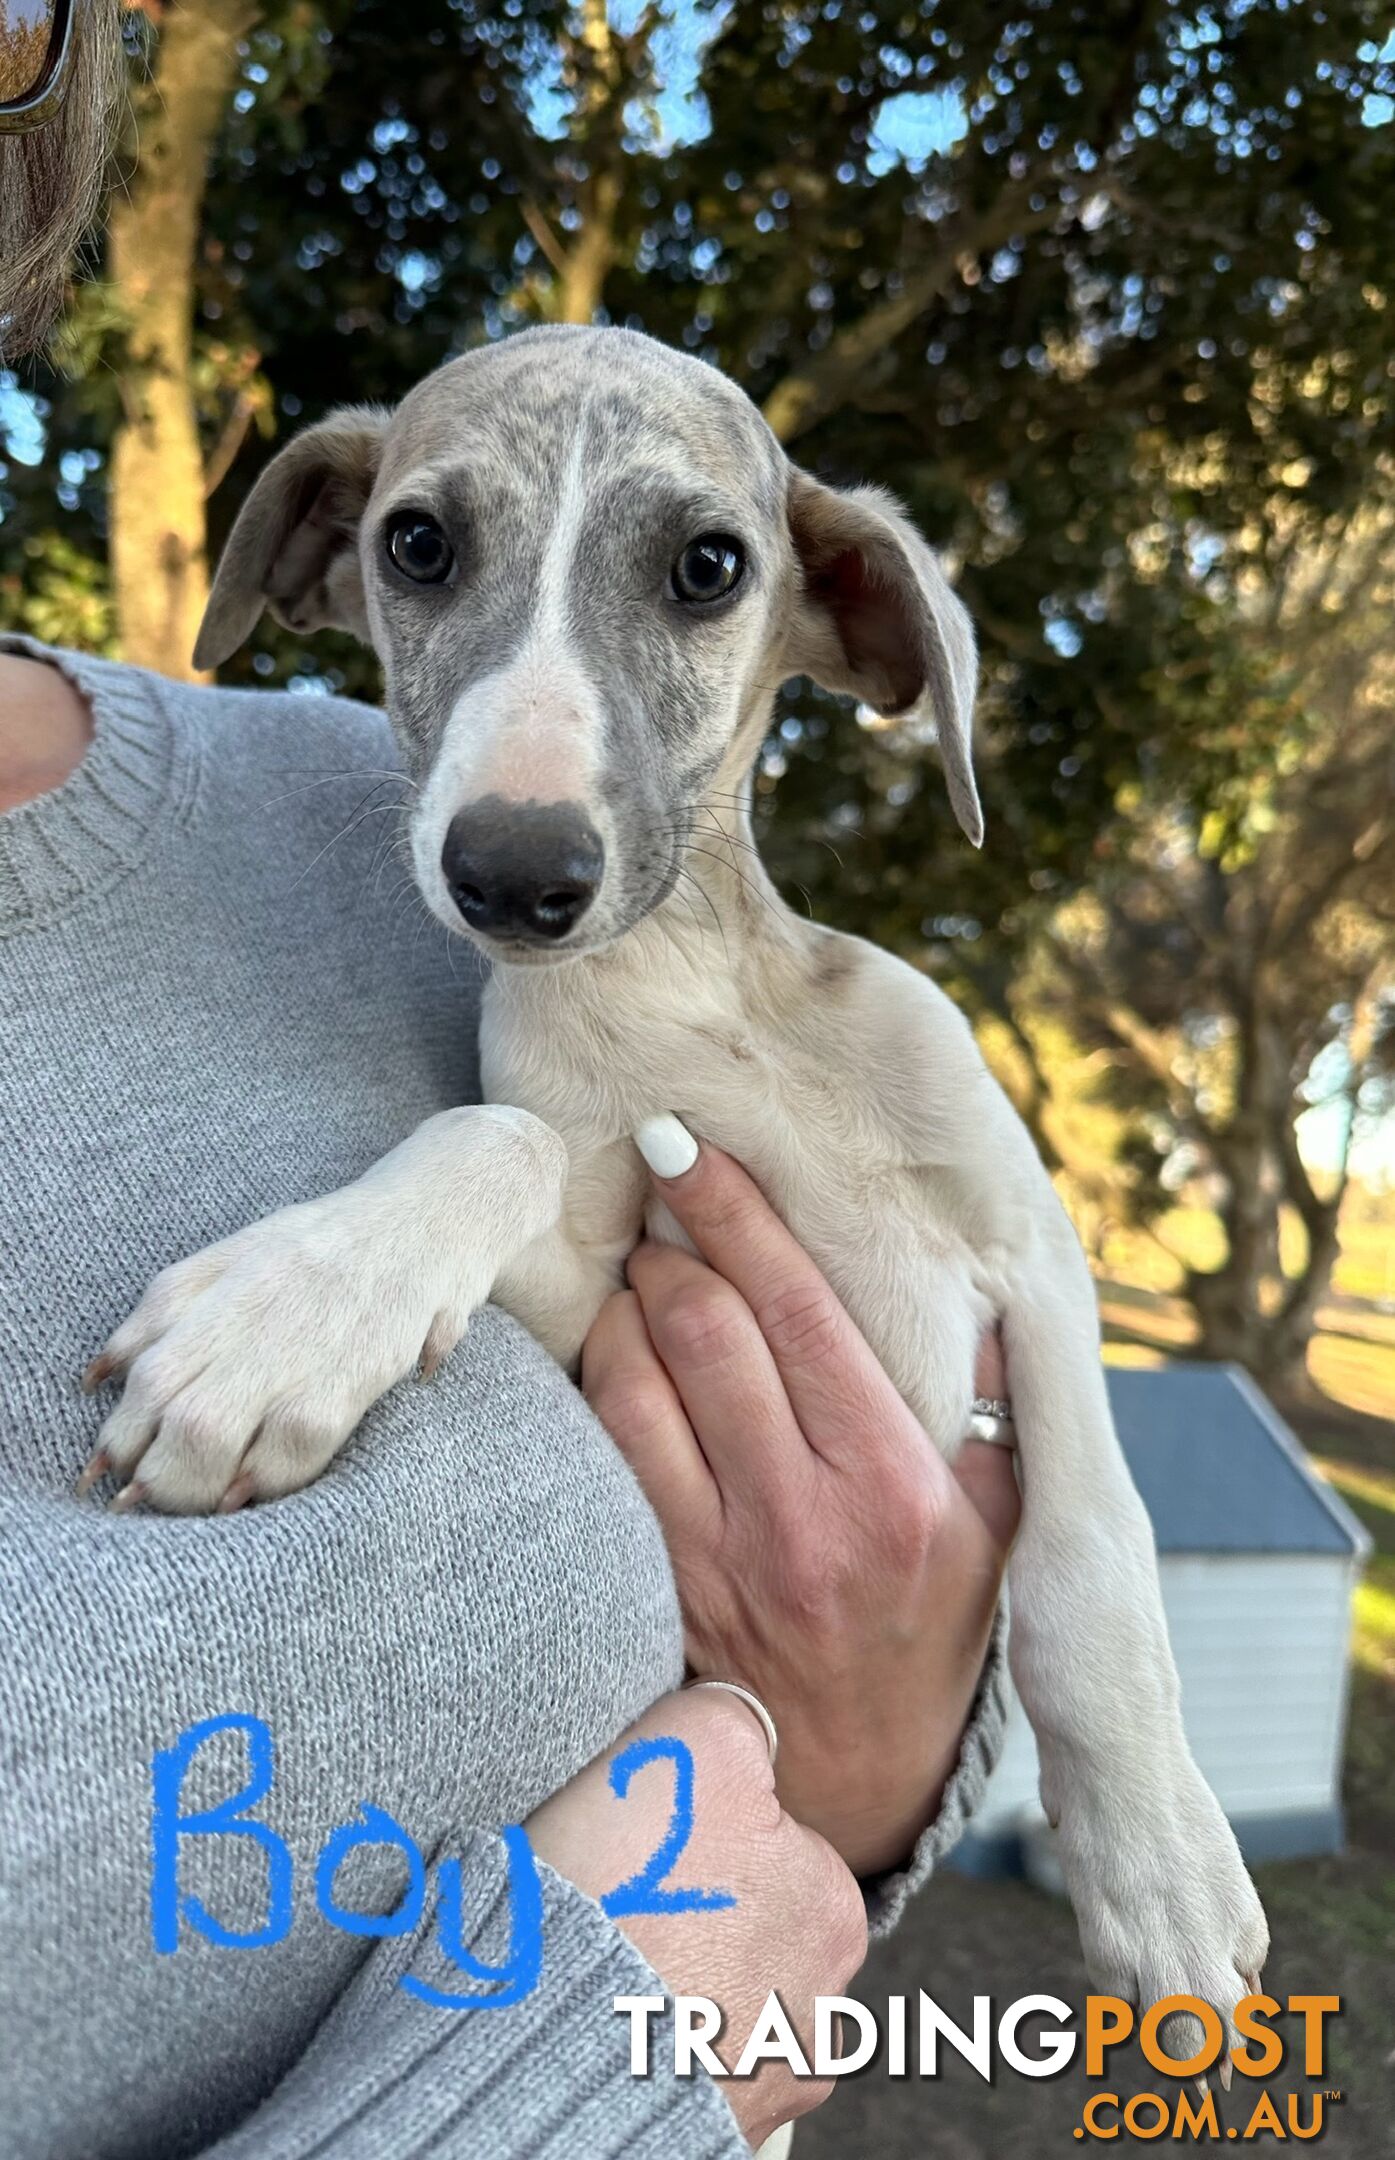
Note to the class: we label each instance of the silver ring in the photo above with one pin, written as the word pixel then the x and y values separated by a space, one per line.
pixel 753 1703
pixel 990 1419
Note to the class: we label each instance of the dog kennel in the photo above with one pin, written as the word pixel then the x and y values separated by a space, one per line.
pixel 1258 1559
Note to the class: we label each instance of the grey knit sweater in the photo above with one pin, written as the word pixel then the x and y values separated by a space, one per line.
pixel 216 997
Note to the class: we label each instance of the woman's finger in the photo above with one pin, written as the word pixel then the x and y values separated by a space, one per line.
pixel 624 1381
pixel 833 1381
pixel 727 1380
pixel 986 1470
pixel 990 1368
pixel 988 1476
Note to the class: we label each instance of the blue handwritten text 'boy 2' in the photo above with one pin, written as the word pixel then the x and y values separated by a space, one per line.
pixel 646 1891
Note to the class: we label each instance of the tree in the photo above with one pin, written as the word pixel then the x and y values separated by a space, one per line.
pixel 1234 959
pixel 156 529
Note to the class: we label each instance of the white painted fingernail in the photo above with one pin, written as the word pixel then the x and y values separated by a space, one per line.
pixel 666 1145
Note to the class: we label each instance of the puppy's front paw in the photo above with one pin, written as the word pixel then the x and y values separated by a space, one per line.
pixel 1164 1904
pixel 247 1367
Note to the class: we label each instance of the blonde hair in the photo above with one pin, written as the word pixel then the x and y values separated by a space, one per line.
pixel 53 182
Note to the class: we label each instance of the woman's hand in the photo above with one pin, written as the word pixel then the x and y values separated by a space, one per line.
pixel 825 1553
pixel 797 1922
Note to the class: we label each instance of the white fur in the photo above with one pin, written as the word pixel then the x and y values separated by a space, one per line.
pixel 531 733
pixel 854 1093
pixel 927 1216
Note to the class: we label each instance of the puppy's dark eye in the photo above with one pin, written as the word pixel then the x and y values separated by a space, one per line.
pixel 418 548
pixel 708 568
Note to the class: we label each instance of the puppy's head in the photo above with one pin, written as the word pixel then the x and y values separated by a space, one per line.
pixel 586 565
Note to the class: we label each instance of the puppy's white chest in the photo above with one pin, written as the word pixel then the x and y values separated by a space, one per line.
pixel 602 1067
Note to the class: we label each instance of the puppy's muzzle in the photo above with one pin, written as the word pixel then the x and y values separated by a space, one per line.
pixel 523 873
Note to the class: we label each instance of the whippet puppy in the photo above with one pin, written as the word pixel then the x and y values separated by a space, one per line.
pixel 587 566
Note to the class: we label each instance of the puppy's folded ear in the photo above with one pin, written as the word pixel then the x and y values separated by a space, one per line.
pixel 875 617
pixel 294 546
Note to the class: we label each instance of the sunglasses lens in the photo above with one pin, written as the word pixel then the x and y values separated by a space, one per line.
pixel 29 39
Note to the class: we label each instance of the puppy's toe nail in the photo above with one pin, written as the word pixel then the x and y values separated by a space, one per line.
pixel 130 1496
pixel 97 1467
pixel 237 1496
pixel 1202 2086
pixel 98 1372
pixel 1225 2071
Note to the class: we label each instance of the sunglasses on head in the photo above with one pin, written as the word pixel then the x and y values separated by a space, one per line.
pixel 36 50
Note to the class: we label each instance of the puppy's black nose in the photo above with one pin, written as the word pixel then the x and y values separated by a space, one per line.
pixel 523 870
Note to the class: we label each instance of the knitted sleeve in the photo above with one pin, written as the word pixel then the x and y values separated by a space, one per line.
pixel 193 1711
pixel 979 1750
pixel 388 2077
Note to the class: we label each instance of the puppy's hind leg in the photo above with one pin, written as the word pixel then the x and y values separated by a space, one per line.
pixel 1162 1897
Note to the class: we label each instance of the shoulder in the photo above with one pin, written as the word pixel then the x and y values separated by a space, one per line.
pixel 872 996
pixel 269 746
pixel 922 1074
pixel 292 770
pixel 245 726
pixel 263 729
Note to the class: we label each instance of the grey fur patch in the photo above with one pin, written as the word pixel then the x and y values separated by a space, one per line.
pixel 611 450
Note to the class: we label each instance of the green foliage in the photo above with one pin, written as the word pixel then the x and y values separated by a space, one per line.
pixel 1112 281
pixel 56 591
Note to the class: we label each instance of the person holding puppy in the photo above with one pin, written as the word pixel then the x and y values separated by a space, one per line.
pixel 475 1602
pixel 461 1623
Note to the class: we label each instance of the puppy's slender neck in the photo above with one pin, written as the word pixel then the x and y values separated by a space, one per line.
pixel 722 883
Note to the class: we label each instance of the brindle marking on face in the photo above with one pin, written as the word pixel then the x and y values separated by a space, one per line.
pixel 569 469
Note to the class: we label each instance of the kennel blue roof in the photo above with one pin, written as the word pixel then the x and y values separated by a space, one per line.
pixel 1218 1468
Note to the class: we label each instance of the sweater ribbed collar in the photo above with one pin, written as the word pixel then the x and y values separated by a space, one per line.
pixel 81 837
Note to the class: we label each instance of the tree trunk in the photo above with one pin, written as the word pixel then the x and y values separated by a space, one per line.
pixel 599 124
pixel 1229 1301
pixel 581 287
pixel 159 570
pixel 1297 1323
pixel 1321 1217
pixel 1230 1304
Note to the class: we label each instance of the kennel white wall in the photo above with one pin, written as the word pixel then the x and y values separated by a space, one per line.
pixel 1261 1642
